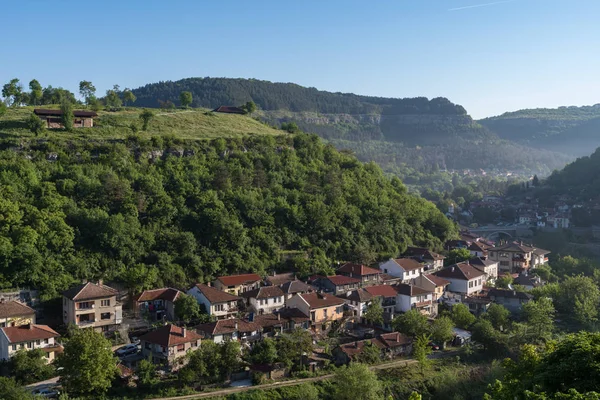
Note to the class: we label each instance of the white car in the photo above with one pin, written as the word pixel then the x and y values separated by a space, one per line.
pixel 48 393
pixel 127 350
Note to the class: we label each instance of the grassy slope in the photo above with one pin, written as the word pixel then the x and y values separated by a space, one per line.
pixel 185 124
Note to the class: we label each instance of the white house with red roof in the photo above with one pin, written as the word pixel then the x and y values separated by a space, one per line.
pixel 413 297
pixel 388 295
pixel 29 337
pixel 403 268
pixel 322 308
pixel 464 278
pixel 265 300
pixel 215 302
pixel 237 284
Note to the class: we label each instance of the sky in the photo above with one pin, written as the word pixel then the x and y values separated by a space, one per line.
pixel 489 56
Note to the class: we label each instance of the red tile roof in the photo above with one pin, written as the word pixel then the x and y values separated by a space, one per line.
pixel 357 270
pixel 170 335
pixel 14 309
pixel 355 348
pixel 225 326
pixel 408 264
pixel 235 280
pixel 264 292
pixel 29 332
pixel 340 280
pixel 395 339
pixel 437 281
pixel 284 315
pixel 321 300
pixel 463 271
pixel 215 295
pixel 382 290
pixel 89 291
pixel 229 110
pixel 166 294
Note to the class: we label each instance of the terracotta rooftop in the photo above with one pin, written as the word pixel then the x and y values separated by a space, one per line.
pixel 463 271
pixel 166 294
pixel 353 270
pixel 321 300
pixel 229 110
pixel 410 290
pixel 215 295
pixel 225 326
pixel 29 332
pixel 264 292
pixel 382 291
pixel 284 315
pixel 355 348
pixel 14 309
pixel 436 280
pixel 170 335
pixel 235 280
pixel 408 264
pixel 394 339
pixel 340 280
pixel 89 291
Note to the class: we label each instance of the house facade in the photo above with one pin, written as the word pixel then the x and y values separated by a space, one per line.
pixel 367 276
pixel 14 313
pixel 265 300
pixel 357 301
pixel 157 304
pixel 237 284
pixel 403 268
pixel 510 299
pixel 464 278
pixel 29 337
pixel 426 256
pixel 92 305
pixel 489 267
pixel 337 284
pixel 322 309
pixel 387 294
pixel 215 302
pixel 413 297
pixel 296 287
pixel 432 283
pixel 169 344
pixel 53 118
pixel 512 257
pixel 230 329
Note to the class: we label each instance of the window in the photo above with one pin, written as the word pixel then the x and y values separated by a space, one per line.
pixel 218 307
pixel 194 344
pixel 148 346
pixel 325 313
pixel 105 328
pixel 180 347
pixel 37 342
pixel 14 347
pixel 105 316
pixel 105 303
pixel 385 271
pixel 46 341
pixel 340 309
pixel 47 355
pixel 29 345
pixel 504 263
pixel 470 284
pixel 85 305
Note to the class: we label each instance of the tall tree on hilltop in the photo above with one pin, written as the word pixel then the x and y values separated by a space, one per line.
pixel 67 114
pixel 88 91
pixel 185 98
pixel 12 92
pixel 146 116
pixel 128 96
pixel 35 96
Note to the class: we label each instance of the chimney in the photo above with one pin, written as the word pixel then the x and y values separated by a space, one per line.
pixel 100 282
pixel 183 331
pixel 278 316
pixel 274 273
pixel 236 325
pixel 452 269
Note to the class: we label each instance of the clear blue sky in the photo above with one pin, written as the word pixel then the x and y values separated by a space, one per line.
pixel 491 59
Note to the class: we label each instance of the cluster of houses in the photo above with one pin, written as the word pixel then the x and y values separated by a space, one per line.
pixel 250 307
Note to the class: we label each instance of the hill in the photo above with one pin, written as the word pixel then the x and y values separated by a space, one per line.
pixel 580 178
pixel 154 209
pixel 571 130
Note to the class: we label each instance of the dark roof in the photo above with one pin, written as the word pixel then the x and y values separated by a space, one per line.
pixel 354 348
pixel 167 294
pixel 357 270
pixel 463 271
pixel 436 280
pixel 14 309
pixel 478 246
pixel 483 262
pixel 541 252
pixel 525 280
pixel 284 315
pixel 57 113
pixel 229 110
pixel 340 280
pixel 514 247
pixel 235 280
pixel 25 333
pixel 215 295
pixel 264 292
pixel 320 300
pixel 410 290
pixel 296 287
pixel 281 279
pixel 382 291
pixel 89 291
pixel 170 335
pixel 408 264
pixel 507 293
pixel 423 253
pixel 359 295
pixel 225 326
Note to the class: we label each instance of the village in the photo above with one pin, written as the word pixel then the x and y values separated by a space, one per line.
pixel 249 308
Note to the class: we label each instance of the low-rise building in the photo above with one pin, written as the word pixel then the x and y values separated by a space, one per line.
pixel 357 301
pixel 387 295
pixel 489 267
pixel 512 257
pixel 432 283
pixel 425 256
pixel 215 302
pixel 403 268
pixel 478 249
pixel 296 287
pixel 14 313
pixel 464 278
pixel 528 281
pixel 539 257
pixel 511 299
pixel 337 284
pixel 366 275
pixel 92 305
pixel 265 300
pixel 237 284
pixel 390 345
pixel 53 118
pixel 231 329
pixel 169 344
pixel 413 297
pixel 323 309
pixel 157 304
pixel 29 337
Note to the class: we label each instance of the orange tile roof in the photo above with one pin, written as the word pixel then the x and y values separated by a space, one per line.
pixel 170 335
pixel 320 300
pixel 14 309
pixel 358 269
pixel 382 290
pixel 29 332
pixel 215 295
pixel 89 291
pixel 235 280
pixel 167 294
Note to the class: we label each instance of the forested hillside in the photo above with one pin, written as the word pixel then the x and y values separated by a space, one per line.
pixel 571 130
pixel 581 178
pixel 72 209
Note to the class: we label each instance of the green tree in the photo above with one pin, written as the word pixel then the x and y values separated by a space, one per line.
pixel 230 356
pixel 36 125
pixel 374 313
pixel 504 281
pixel 29 366
pixel 442 330
pixel 483 332
pixel 205 365
pixel 249 107
pixel 536 181
pixel 461 316
pixel 35 96
pixel 290 127
pixel 12 92
pixel 539 315
pixel 10 390
pixel 88 363
pixel 88 91
pixel 291 346
pixel 421 351
pixel 185 98
pixel 456 256
pixel 264 352
pixel 186 308
pixel 67 117
pixel 498 315
pixel 129 97
pixel 356 379
pixel 370 353
pixel 2 108
pixel 146 116
pixel 146 372
pixel 139 277
pixel 415 396
pixel 579 298
pixel 112 99
pixel 411 323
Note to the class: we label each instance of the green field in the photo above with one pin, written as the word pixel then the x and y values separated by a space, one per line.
pixel 185 124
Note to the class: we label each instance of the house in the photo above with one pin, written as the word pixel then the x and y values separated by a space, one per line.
pixel 539 257
pixel 337 284
pixel 425 256
pixel 388 296
pixel 296 287
pixel 158 304
pixel 237 284
pixel 265 300
pixel 478 303
pixel 92 305
pixel 511 299
pixel 217 303
pixel 489 267
pixel 276 279
pixel 367 275
pixel 464 278
pixel 53 118
pixel 411 297
pixel 29 337
pixel 433 283
pixel 390 345
pixel 478 249
pixel 512 257
pixel 357 301
pixel 230 329
pixel 321 308
pixel 456 244
pixel 285 320
pixel 528 281
pixel 403 268
pixel 14 313
pixel 168 345
pixel 229 110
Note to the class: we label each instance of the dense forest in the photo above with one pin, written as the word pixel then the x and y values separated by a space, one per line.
pixel 73 210
pixel 580 178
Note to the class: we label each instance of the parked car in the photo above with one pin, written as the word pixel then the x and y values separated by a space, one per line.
pixel 127 350
pixel 49 393
pixel 434 346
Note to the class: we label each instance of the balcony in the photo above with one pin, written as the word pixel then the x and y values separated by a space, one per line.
pixel 422 304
